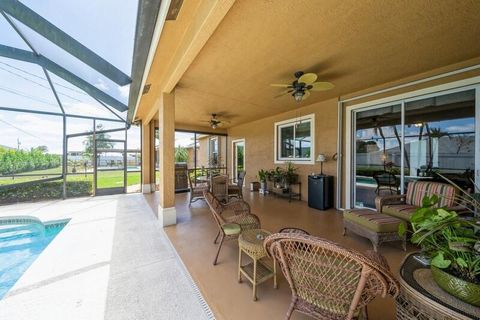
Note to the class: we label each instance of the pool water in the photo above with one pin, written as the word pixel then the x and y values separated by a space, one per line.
pixel 20 245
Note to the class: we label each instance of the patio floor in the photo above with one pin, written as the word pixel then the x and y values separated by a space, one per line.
pixel 193 236
pixel 111 261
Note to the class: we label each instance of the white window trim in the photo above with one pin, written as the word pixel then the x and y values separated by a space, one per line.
pixel 233 156
pixel 310 117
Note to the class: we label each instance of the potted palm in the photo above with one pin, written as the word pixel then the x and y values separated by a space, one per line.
pixel 452 244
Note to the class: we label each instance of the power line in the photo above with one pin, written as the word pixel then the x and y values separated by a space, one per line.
pixel 39 77
pixel 19 93
pixel 22 130
pixel 39 84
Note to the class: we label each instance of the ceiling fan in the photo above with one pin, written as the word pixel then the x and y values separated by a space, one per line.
pixel 304 83
pixel 215 122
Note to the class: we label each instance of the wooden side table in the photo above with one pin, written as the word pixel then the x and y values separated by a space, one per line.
pixel 421 298
pixel 250 242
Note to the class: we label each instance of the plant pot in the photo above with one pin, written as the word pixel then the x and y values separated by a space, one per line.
pixel 263 185
pixel 461 289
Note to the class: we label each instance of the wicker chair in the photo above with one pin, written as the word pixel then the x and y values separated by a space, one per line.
pixel 293 230
pixel 231 218
pixel 327 280
pixel 236 190
pixel 220 187
pixel 196 191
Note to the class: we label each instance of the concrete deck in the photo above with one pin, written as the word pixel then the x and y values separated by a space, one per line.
pixel 111 261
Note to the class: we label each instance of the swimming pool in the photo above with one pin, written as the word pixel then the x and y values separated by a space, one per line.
pixel 21 242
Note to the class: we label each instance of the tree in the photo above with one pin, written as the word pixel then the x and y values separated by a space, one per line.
pixel 181 154
pixel 42 149
pixel 88 142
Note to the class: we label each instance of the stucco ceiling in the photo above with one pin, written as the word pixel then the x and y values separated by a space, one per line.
pixel 354 44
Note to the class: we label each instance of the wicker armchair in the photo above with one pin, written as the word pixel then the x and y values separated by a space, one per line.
pixel 327 280
pixel 293 230
pixel 236 190
pixel 231 218
pixel 196 191
pixel 220 187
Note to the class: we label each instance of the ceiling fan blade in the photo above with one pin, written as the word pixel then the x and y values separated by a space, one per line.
pixel 283 93
pixel 280 85
pixel 322 86
pixel 308 78
pixel 306 95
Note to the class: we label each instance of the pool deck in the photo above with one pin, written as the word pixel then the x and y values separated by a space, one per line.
pixel 111 261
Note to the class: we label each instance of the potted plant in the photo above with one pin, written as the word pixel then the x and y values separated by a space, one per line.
pixel 452 244
pixel 278 177
pixel 262 176
pixel 290 175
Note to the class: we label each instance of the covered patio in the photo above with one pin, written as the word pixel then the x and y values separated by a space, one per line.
pixel 193 236
pixel 235 119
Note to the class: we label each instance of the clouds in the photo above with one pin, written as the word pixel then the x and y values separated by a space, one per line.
pixel 31 130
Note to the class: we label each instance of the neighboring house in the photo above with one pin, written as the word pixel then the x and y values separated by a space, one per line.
pixel 133 158
pixel 448 153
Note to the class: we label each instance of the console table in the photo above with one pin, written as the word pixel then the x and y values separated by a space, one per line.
pixel 289 193
pixel 422 298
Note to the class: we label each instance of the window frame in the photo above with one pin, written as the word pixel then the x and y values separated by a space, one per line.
pixel 277 140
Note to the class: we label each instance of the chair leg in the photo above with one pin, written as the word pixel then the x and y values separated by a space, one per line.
pixel 216 238
pixel 290 309
pixel 218 251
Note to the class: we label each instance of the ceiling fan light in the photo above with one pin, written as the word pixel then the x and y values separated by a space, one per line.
pixel 214 126
pixel 298 95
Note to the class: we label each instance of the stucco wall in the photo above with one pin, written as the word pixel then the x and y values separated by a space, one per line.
pixel 259 135
pixel 259 141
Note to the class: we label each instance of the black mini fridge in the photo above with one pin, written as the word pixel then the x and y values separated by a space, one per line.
pixel 320 192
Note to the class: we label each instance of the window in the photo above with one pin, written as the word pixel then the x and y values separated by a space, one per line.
pixel 294 140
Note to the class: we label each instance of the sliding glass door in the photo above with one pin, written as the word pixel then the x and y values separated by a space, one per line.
pixel 413 140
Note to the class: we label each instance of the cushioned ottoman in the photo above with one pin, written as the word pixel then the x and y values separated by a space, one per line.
pixel 376 227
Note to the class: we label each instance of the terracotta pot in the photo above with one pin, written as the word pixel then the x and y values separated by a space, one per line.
pixel 461 289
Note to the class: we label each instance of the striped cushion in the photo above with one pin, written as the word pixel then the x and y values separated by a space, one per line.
pixel 401 211
pixel 417 190
pixel 373 220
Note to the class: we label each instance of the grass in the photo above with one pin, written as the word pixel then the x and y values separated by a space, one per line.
pixel 106 179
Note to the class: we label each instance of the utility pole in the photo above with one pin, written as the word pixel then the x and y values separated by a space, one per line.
pixel 18 144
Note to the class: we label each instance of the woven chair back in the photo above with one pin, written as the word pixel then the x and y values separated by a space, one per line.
pixel 327 277
pixel 241 177
pixel 220 187
pixel 215 208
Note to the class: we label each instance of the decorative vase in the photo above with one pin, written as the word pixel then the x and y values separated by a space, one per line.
pixel 461 289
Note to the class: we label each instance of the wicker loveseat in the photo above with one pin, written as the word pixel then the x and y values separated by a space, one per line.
pixel 404 206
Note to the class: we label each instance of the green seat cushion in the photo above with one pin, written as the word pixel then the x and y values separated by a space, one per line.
pixel 401 211
pixel 372 220
pixel 231 229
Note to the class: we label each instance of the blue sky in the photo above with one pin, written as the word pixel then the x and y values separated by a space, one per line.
pixel 105 26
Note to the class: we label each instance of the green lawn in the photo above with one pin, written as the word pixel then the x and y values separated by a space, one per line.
pixel 106 179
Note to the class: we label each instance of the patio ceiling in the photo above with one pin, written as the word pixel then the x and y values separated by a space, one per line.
pixel 354 44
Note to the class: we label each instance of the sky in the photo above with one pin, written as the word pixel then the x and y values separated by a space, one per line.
pixel 105 27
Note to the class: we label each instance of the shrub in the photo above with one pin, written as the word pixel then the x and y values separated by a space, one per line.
pixel 16 161
pixel 44 191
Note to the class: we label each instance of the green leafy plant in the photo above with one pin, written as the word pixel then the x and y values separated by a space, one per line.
pixel 451 242
pixel 290 174
pixel 262 175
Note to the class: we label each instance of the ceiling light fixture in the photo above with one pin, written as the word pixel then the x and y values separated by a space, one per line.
pixel 298 95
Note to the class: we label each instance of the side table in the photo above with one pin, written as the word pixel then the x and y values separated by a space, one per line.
pixel 250 242
pixel 421 298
